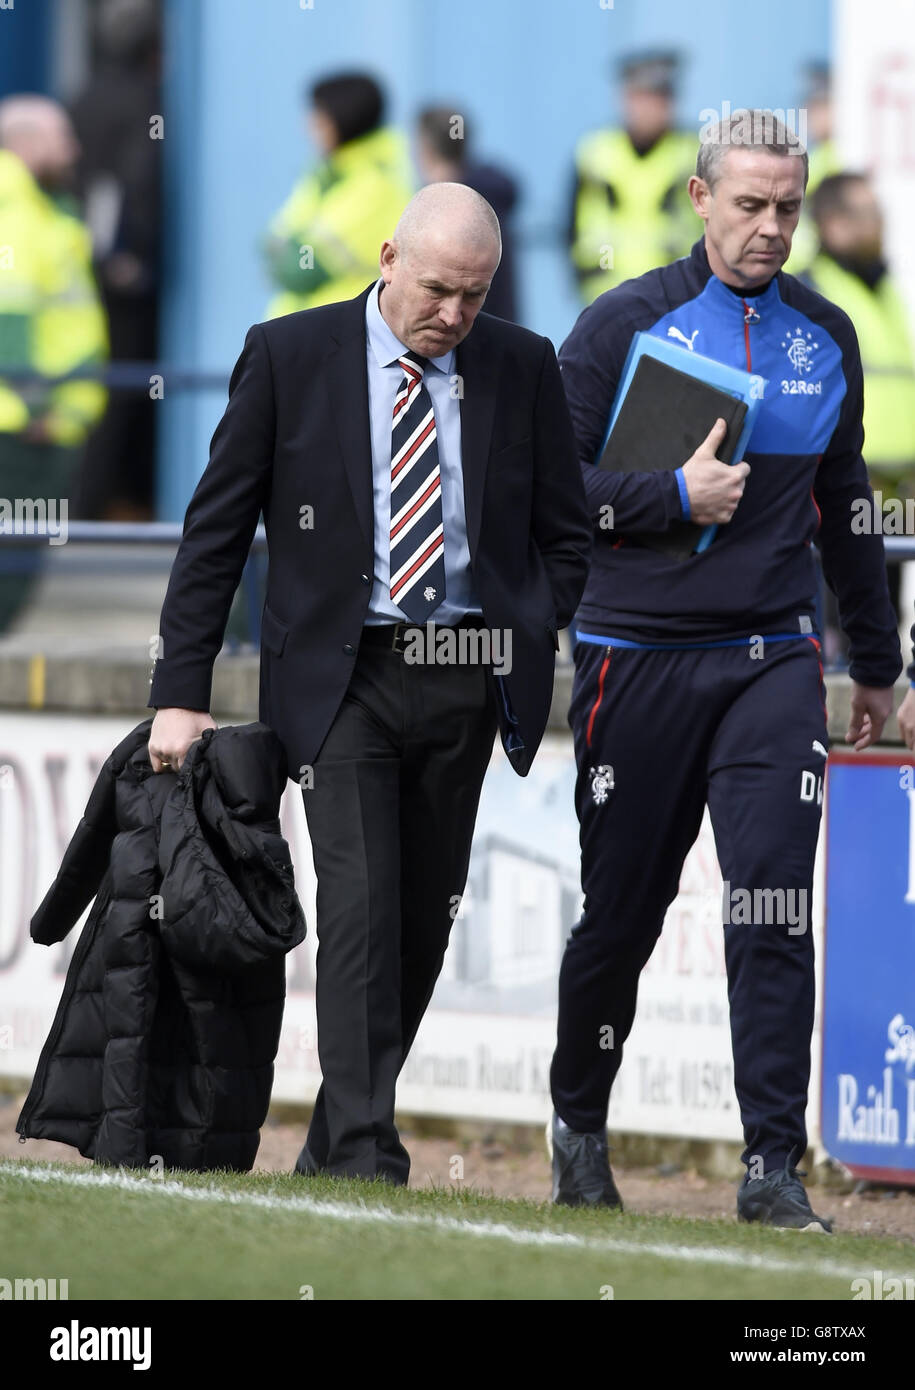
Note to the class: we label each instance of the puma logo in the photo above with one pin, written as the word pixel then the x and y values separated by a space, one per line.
pixel 675 333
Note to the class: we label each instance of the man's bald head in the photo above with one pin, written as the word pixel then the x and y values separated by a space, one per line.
pixel 438 265
pixel 448 212
pixel 39 131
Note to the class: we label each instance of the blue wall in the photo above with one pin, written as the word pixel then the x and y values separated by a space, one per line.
pixel 533 74
pixel 25 47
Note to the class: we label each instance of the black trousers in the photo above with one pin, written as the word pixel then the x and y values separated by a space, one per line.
pixel 390 816
pixel 658 735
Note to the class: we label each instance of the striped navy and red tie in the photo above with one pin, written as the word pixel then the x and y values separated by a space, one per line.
pixel 417 530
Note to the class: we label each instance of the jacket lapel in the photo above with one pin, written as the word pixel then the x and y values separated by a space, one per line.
pixel 348 389
pixel 477 364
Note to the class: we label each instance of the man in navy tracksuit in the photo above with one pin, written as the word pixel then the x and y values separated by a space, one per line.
pixel 699 681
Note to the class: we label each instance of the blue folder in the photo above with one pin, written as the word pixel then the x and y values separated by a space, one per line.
pixel 745 386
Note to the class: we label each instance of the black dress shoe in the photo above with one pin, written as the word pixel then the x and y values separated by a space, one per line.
pixel 581 1169
pixel 305 1164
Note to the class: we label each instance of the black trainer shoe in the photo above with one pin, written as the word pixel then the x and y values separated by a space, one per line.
pixel 779 1199
pixel 581 1168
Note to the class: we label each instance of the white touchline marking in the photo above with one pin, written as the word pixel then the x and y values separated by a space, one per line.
pixel 369 1214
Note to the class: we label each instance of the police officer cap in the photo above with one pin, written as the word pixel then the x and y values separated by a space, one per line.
pixel 653 71
pixel 818 80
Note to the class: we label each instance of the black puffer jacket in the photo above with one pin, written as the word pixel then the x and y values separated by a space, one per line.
pixel 169 1021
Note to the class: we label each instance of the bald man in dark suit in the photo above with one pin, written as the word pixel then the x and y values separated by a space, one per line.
pixel 417 470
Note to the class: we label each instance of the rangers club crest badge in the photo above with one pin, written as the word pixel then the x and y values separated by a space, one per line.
pixel 800 348
pixel 601 783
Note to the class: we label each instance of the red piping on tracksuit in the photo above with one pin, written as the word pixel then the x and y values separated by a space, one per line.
pixel 600 693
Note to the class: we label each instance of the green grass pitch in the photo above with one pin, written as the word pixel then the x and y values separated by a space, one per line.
pixel 117 1234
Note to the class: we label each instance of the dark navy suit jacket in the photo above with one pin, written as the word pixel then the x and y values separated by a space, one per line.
pixel 295 434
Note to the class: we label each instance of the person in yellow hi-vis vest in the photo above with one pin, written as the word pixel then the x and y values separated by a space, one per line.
pixel 51 322
pixel 850 269
pixel 322 245
pixel 630 209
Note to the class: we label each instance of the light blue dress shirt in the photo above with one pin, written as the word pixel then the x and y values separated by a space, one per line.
pixel 385 375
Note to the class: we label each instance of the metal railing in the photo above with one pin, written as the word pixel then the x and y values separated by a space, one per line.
pixel 20 551
pixel 134 377
pixel 127 377
pixel 169 533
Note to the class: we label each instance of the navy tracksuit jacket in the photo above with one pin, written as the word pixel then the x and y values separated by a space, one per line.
pixel 699 682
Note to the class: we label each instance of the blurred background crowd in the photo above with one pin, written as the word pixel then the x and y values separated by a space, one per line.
pixel 95 210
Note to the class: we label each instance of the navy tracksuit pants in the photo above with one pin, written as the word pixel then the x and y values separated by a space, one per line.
pixel 658 735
